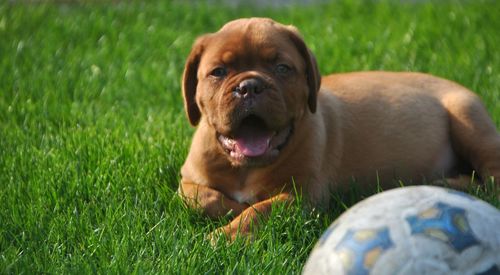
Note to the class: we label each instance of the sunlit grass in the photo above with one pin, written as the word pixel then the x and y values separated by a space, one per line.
pixel 92 130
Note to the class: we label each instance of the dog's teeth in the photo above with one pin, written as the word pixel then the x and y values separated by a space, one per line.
pixel 227 142
pixel 236 155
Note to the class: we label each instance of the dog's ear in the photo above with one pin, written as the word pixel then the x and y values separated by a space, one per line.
pixel 190 80
pixel 312 70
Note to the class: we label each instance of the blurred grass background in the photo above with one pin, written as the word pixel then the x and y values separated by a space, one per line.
pixel 92 130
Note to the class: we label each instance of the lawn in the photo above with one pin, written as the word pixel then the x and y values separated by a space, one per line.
pixel 93 133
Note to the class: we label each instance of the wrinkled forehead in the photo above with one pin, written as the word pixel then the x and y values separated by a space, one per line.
pixel 247 42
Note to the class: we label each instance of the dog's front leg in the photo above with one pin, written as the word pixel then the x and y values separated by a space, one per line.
pixel 248 220
pixel 212 202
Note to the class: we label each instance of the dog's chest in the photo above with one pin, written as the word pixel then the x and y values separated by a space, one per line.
pixel 255 187
pixel 247 190
pixel 243 196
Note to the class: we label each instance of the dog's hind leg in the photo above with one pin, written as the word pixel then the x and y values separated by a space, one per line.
pixel 474 135
pixel 460 182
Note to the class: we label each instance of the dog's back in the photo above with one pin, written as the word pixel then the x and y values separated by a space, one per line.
pixel 411 126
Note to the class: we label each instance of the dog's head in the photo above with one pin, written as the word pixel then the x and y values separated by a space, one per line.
pixel 251 82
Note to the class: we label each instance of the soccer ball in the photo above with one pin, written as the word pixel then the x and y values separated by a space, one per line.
pixel 411 230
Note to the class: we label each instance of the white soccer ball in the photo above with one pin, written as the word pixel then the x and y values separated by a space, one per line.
pixel 411 230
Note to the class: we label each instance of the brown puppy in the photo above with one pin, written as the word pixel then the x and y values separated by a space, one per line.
pixel 253 89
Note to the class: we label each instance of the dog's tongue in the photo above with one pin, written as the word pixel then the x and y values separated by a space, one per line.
pixel 252 141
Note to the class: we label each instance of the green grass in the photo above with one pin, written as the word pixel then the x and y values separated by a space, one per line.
pixel 92 130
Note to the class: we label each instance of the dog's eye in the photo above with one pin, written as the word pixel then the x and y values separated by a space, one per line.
pixel 282 68
pixel 219 72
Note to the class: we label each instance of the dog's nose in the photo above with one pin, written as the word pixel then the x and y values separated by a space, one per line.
pixel 249 87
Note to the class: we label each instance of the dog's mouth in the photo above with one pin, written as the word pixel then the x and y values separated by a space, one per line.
pixel 253 139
